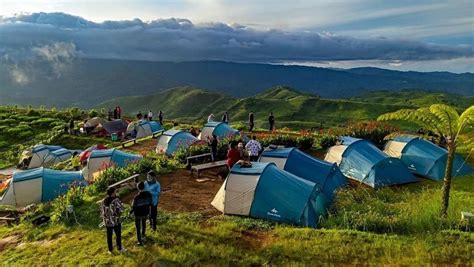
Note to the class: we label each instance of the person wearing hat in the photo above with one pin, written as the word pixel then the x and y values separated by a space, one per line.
pixel 141 206
pixel 153 186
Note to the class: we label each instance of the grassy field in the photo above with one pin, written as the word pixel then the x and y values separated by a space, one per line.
pixel 390 226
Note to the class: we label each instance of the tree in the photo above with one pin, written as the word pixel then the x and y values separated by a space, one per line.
pixel 448 124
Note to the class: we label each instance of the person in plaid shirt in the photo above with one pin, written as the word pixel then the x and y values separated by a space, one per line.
pixel 111 211
pixel 253 147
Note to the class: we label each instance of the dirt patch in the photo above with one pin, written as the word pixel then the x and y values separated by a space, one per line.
pixel 9 241
pixel 182 193
pixel 255 240
pixel 143 147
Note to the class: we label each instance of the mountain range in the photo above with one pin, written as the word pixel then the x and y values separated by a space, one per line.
pixel 87 82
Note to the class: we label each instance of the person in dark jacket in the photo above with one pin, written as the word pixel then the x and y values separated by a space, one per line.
pixel 115 113
pixel 271 121
pixel 225 118
pixel 160 117
pixel 111 210
pixel 213 145
pixel 251 121
pixel 71 127
pixel 141 207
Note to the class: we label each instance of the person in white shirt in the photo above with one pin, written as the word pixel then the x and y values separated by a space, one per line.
pixel 210 118
pixel 150 115
pixel 253 147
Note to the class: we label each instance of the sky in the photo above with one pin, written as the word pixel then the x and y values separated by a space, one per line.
pixel 403 35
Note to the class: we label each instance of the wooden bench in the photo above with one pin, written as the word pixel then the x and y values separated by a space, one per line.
pixel 195 157
pixel 126 181
pixel 207 166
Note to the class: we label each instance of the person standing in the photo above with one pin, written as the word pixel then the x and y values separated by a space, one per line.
pixel 160 117
pixel 150 115
pixel 141 206
pixel 119 112
pixel 251 121
pixel 253 147
pixel 111 210
pixel 210 118
pixel 115 113
pixel 153 186
pixel 213 145
pixel 271 121
pixel 72 131
pixel 225 118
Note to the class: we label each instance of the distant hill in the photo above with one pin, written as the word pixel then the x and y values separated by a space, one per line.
pixel 87 82
pixel 291 107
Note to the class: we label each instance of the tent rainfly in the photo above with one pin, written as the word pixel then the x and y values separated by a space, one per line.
pixel 362 161
pixel 220 129
pixel 172 140
pixel 266 192
pixel 38 185
pixel 101 126
pixel 44 156
pixel 143 128
pixel 425 158
pixel 326 175
pixel 100 160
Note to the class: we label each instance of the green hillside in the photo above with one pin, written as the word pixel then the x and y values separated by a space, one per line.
pixel 291 107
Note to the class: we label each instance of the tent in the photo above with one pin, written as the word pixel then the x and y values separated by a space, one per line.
pixel 143 128
pixel 172 140
pixel 84 155
pixel 326 175
pixel 37 156
pixel 361 160
pixel 425 158
pixel 58 156
pixel 100 126
pixel 266 192
pixel 220 129
pixel 100 160
pixel 38 185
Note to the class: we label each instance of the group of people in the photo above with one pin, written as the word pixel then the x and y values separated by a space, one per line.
pixel 149 116
pixel 116 113
pixel 144 206
pixel 251 121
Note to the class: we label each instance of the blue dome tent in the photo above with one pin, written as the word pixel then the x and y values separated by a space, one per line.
pixel 361 160
pixel 102 159
pixel 266 192
pixel 220 129
pixel 326 175
pixel 172 140
pixel 425 158
pixel 38 185
pixel 143 128
pixel 44 156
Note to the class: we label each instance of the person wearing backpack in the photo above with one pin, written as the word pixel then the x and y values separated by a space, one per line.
pixel 111 210
pixel 141 206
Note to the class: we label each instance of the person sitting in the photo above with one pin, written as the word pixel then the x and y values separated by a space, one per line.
pixel 233 156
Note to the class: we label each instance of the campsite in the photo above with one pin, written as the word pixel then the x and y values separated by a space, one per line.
pixel 236 133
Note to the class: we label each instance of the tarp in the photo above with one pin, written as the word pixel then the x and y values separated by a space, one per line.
pixel 38 185
pixel 425 158
pixel 326 175
pixel 266 192
pixel 117 126
pixel 364 162
pixel 172 140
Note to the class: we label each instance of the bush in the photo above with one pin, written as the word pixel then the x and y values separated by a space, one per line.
pixel 45 122
pixel 74 196
pixel 110 176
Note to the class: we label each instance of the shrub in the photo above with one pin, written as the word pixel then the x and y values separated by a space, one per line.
pixel 74 196
pixel 45 122
pixel 110 176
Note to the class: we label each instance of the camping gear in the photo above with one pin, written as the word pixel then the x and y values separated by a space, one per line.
pixel 266 192
pixel 425 158
pixel 220 129
pixel 38 185
pixel 362 161
pixel 173 140
pixel 100 126
pixel 44 156
pixel 114 137
pixel 326 175
pixel 100 160
pixel 143 128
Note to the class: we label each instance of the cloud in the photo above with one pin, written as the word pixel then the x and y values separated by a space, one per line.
pixel 19 75
pixel 59 55
pixel 180 40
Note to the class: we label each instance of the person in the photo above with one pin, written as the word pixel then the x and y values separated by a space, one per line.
pixel 141 206
pixel 271 121
pixel 241 149
pixel 71 126
pixel 119 112
pixel 153 186
pixel 253 147
pixel 145 117
pixel 150 115
pixel 109 117
pixel 233 155
pixel 213 145
pixel 251 121
pixel 225 118
pixel 160 117
pixel 176 126
pixel 111 211
pixel 115 113
pixel 139 115
pixel 210 118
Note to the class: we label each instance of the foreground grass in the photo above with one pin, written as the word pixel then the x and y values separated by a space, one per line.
pixel 389 226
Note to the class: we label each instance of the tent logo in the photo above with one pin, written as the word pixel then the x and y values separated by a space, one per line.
pixel 274 212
